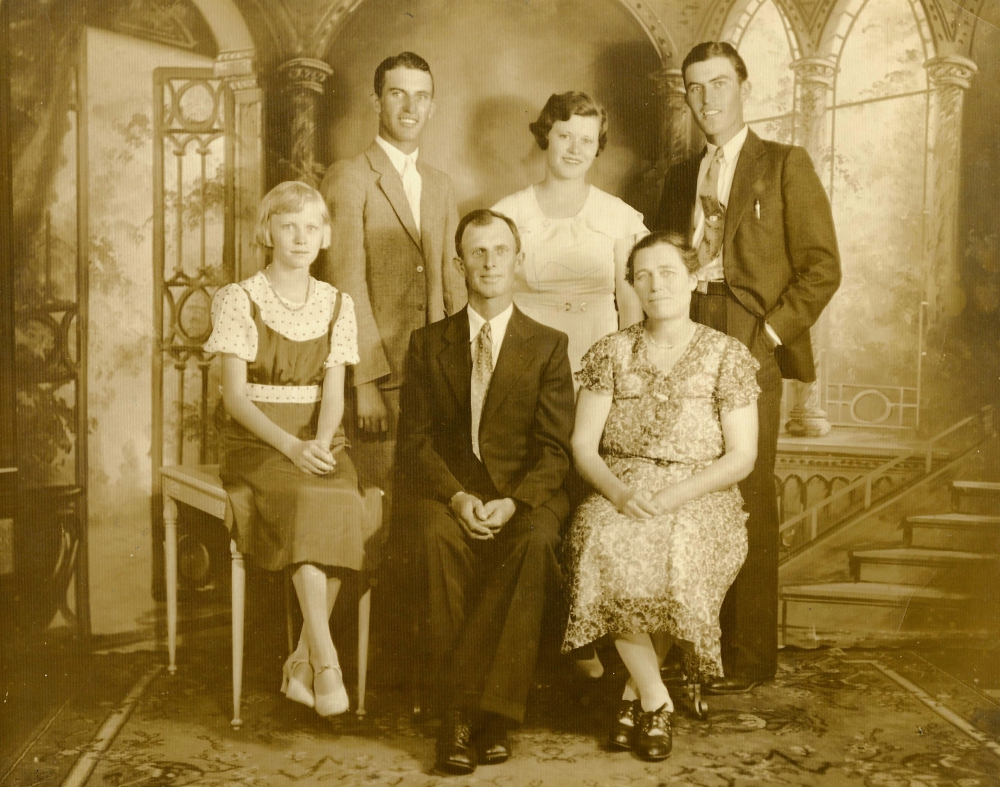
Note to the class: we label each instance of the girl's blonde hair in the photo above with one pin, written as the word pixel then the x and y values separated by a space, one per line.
pixel 291 196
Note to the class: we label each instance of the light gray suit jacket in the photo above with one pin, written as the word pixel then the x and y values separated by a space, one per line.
pixel 399 279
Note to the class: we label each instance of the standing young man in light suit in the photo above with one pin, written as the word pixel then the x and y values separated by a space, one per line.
pixel 762 224
pixel 393 224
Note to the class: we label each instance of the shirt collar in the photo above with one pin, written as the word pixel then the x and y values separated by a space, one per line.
pixel 498 325
pixel 732 148
pixel 396 156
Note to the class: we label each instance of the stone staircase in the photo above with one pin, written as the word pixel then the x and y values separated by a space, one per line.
pixel 941 580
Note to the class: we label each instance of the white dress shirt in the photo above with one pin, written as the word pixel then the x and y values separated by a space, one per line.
pixel 406 166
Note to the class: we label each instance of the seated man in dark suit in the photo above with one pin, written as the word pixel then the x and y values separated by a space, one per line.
pixel 486 416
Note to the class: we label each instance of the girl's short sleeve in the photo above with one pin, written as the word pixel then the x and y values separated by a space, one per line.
pixel 737 384
pixel 597 371
pixel 344 336
pixel 233 330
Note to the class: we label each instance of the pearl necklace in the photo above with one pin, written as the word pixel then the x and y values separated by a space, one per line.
pixel 282 301
pixel 664 345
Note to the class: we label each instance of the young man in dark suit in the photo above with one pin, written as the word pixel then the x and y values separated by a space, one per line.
pixel 761 221
pixel 487 412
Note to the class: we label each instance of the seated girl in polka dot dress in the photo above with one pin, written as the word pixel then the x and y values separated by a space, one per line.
pixel 285 340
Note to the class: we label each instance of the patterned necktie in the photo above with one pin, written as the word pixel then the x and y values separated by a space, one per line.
pixel 482 372
pixel 715 215
pixel 411 187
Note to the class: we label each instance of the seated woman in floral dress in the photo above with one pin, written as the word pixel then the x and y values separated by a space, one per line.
pixel 666 425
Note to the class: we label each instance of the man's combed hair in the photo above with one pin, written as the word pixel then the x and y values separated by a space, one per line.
pixel 402 60
pixel 481 218
pixel 709 49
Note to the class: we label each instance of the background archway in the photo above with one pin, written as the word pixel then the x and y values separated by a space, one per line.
pixel 491 81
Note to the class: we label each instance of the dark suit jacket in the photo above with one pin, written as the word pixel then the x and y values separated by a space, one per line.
pixel 399 279
pixel 526 422
pixel 782 266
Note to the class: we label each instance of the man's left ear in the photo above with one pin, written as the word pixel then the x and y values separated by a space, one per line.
pixel 326 237
pixel 745 89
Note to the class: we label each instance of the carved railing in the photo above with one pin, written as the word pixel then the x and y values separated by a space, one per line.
pixel 801 530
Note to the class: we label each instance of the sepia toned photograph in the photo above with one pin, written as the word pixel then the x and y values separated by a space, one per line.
pixel 500 392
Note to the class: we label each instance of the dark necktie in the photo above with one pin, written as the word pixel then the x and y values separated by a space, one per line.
pixel 715 213
pixel 482 372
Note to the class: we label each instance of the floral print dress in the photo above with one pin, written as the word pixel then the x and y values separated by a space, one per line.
pixel 668 573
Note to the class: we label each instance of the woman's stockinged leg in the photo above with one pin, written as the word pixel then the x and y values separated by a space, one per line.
pixel 662 644
pixel 316 593
pixel 302 649
pixel 642 662
pixel 311 589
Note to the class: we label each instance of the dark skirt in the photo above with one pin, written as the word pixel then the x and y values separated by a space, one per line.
pixel 283 516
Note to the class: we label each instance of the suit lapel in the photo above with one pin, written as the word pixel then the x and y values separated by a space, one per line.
pixel 748 170
pixel 514 360
pixel 392 186
pixel 455 357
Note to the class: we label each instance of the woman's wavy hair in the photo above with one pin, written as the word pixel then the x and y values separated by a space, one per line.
pixel 667 238
pixel 562 106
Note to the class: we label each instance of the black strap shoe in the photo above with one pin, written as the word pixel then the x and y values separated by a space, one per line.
pixel 492 744
pixel 655 736
pixel 455 755
pixel 622 734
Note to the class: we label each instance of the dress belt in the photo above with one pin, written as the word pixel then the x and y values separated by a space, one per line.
pixel 284 394
pixel 712 287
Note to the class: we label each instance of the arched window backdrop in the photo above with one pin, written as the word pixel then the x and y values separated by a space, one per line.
pixel 875 167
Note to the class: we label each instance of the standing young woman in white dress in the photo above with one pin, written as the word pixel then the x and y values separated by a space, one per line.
pixel 576 238
pixel 576 241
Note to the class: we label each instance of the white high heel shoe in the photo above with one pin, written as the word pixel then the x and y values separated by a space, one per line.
pixel 294 687
pixel 335 701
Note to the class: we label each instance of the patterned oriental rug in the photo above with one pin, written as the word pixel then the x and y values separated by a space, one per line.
pixel 831 718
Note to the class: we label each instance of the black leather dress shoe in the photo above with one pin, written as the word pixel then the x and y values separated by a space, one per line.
pixel 622 734
pixel 492 743
pixel 730 686
pixel 655 736
pixel 455 755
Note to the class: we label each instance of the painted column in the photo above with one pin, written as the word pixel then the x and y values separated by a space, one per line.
pixel 950 76
pixel 813 80
pixel 247 154
pixel 303 83
pixel 675 119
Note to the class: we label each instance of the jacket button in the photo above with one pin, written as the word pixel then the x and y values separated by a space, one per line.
pixel 420 307
pixel 420 269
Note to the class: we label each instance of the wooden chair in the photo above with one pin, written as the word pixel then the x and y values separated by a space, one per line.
pixel 200 487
